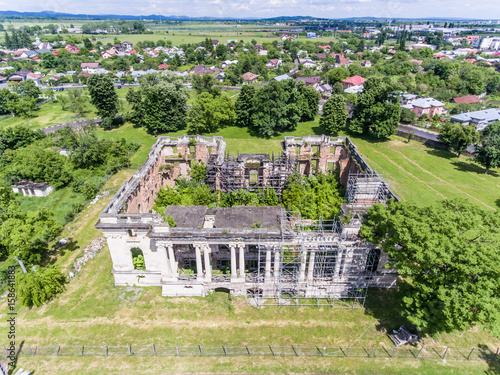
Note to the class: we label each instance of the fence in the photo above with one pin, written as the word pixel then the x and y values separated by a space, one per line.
pixel 470 354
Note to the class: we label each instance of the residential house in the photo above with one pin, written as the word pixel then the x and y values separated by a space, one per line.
pixel 127 46
pixel 480 119
pixel 249 77
pixel 469 99
pixel 353 81
pixel 308 63
pixel 324 90
pixel 34 77
pixel 321 56
pixel 426 106
pixel 90 67
pixel 340 59
pixel 163 66
pixel 273 63
pixel 309 81
pixel 282 77
pixel 311 35
pixel 108 53
pixel 28 54
pixel 215 42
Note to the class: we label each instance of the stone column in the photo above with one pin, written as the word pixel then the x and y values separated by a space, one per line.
pixel 165 268
pixel 242 262
pixel 267 277
pixel 171 258
pixel 233 261
pixel 276 264
pixel 310 269
pixel 199 265
pixel 303 261
pixel 208 266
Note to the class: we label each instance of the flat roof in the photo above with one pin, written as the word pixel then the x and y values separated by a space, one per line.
pixel 187 217
pixel 247 216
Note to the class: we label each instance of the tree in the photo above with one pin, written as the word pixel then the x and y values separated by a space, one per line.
pixel 458 136
pixel 487 152
pixel 210 113
pixel 77 103
pixel 377 111
pixel 308 102
pixel 39 286
pixel 103 96
pixel 407 116
pixel 160 105
pixel 334 114
pixel 447 254
pixel 205 83
pixel 244 106
pixel 276 108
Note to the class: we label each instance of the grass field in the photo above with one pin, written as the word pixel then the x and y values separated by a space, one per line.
pixel 94 312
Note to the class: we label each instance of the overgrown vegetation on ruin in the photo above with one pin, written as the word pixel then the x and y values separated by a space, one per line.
pixel 314 197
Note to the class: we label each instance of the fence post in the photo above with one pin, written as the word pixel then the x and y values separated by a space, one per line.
pixel 324 350
pixel 176 350
pixel 154 349
pixel 274 351
pixel 201 350
pixel 249 349
pixel 494 358
pixel 347 352
pixel 129 349
pixel 373 348
pixel 105 350
pixel 445 352
pixel 55 351
pixel 393 351
pixel 472 351
pixel 6 351
pixel 225 350
pixel 80 350
pixel 420 351
pixel 298 350
pixel 29 347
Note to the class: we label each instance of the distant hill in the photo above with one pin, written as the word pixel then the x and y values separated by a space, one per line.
pixel 157 17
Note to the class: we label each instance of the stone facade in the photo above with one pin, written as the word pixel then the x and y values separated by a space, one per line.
pixel 221 249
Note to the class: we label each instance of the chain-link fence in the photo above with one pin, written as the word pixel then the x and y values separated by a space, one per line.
pixel 410 352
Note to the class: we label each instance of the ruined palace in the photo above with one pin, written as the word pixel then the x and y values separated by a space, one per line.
pixel 284 260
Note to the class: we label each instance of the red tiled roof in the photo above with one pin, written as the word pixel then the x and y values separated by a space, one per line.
pixel 163 66
pixel 355 80
pixel 469 99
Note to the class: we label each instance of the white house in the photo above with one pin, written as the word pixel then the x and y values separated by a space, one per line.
pixel 32 189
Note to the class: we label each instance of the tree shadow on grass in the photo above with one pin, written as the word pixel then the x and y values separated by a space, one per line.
pixel 60 250
pixel 492 360
pixel 471 167
pixel 442 153
pixel 384 305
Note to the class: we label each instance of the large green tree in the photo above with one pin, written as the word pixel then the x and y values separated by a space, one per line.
pixel 276 108
pixel 308 102
pixel 210 113
pixel 244 106
pixel 160 105
pixel 458 136
pixel 448 255
pixel 334 114
pixel 104 97
pixel 487 152
pixel 377 111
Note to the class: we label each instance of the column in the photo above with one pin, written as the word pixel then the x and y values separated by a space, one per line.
pixel 303 261
pixel 242 262
pixel 276 264
pixel 233 261
pixel 338 262
pixel 171 258
pixel 310 269
pixel 208 266
pixel 199 266
pixel 165 263
pixel 267 277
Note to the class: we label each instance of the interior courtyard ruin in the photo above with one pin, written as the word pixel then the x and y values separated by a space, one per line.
pixel 284 260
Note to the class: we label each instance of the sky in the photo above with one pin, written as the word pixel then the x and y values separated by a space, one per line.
pixel 482 9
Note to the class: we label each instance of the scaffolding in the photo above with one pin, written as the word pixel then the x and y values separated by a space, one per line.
pixel 234 174
pixel 366 189
pixel 313 265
